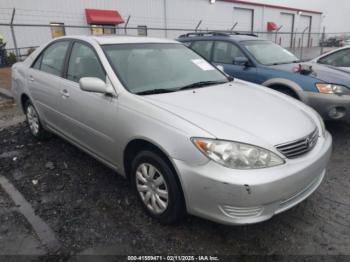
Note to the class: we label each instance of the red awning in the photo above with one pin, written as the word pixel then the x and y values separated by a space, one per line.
pixel 103 17
pixel 271 26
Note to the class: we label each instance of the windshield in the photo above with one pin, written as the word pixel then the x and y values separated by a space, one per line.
pixel 268 53
pixel 160 67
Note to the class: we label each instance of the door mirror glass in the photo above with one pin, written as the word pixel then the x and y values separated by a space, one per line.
pixel 241 60
pixel 93 84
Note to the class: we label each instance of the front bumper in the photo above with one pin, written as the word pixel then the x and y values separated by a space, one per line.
pixel 329 106
pixel 236 197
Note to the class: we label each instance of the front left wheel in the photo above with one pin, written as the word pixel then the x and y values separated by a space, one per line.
pixel 157 187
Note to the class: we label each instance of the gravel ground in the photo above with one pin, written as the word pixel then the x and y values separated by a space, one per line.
pixel 91 210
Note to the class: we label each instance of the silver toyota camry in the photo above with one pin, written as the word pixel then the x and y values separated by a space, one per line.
pixel 189 138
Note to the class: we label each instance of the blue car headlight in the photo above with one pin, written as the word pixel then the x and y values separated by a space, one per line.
pixel 325 88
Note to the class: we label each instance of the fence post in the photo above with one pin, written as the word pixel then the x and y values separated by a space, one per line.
pixel 302 42
pixel 13 34
pixel 126 24
pixel 198 25
pixel 278 29
pixel 233 27
pixel 323 39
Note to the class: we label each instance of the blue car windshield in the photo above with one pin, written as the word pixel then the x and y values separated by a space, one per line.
pixel 268 53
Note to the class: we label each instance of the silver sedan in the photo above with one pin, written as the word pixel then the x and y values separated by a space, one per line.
pixel 189 138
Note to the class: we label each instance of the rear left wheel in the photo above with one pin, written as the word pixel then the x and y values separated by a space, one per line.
pixel 33 121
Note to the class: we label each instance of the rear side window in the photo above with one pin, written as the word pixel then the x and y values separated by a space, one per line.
pixel 84 62
pixel 203 48
pixel 52 60
pixel 225 52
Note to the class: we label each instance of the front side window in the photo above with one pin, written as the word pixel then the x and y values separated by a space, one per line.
pixel 52 61
pixel 268 53
pixel 338 59
pixel 226 52
pixel 144 67
pixel 203 48
pixel 83 62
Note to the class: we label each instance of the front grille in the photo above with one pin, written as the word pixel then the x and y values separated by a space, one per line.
pixel 299 147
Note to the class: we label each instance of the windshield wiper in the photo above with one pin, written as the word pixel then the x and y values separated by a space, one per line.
pixel 155 91
pixel 289 62
pixel 201 84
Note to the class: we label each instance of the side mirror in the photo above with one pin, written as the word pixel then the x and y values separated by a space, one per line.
pixel 241 61
pixel 94 84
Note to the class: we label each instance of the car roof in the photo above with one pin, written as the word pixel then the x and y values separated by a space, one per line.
pixel 115 39
pixel 236 37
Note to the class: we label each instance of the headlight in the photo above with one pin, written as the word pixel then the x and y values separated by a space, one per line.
pixel 237 155
pixel 323 127
pixel 330 88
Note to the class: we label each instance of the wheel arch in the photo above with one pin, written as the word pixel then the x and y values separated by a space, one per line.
pixel 24 99
pixel 276 83
pixel 137 145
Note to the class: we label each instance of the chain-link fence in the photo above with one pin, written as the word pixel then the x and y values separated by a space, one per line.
pixel 22 39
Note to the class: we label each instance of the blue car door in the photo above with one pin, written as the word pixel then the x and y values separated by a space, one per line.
pixel 233 61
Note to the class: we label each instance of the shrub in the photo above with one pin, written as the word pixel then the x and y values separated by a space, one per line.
pixel 30 50
pixel 10 59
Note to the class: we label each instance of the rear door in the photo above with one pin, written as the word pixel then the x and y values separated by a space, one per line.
pixel 225 55
pixel 45 80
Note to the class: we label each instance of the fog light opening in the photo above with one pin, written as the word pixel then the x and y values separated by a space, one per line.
pixel 337 112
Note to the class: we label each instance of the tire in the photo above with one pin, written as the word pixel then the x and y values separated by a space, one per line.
pixel 287 92
pixel 167 210
pixel 33 121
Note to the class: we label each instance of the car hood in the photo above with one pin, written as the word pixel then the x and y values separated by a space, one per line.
pixel 320 72
pixel 239 111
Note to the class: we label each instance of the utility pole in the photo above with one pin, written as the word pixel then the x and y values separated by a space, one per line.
pixel 13 34
pixel 323 38
pixel 165 18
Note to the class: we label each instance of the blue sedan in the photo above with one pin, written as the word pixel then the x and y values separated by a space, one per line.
pixel 256 60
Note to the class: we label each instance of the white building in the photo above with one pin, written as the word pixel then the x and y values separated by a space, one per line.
pixel 148 15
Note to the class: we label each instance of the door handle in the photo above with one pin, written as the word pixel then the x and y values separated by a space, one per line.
pixel 31 78
pixel 64 93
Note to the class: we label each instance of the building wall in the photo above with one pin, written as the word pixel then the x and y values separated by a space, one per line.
pixel 153 13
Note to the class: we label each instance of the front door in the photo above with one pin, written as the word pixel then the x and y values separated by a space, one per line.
pixel 91 118
pixel 231 58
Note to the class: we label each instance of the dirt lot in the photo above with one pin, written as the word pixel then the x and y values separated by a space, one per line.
pixel 88 209
pixel 5 77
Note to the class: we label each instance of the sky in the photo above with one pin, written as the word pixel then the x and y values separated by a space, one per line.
pixel 336 12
